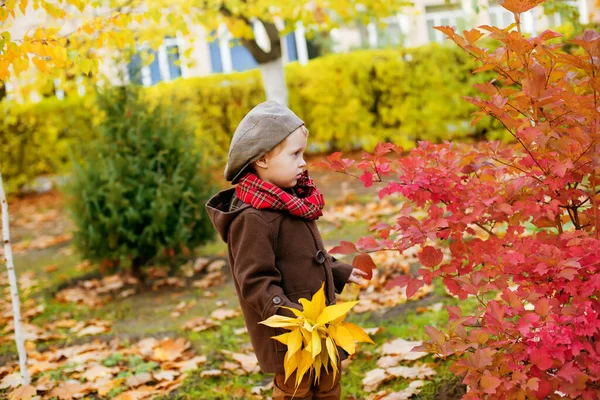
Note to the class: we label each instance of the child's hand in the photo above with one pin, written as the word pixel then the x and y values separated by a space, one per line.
pixel 356 276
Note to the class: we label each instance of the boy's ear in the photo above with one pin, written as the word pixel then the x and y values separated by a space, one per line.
pixel 261 163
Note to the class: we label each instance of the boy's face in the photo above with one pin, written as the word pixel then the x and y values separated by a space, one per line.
pixel 286 164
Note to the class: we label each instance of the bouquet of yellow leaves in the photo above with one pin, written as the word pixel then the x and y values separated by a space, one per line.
pixel 315 334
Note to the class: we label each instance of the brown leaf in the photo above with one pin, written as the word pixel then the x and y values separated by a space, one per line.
pixel 403 348
pixel 405 394
pixel 139 379
pixel 50 268
pixel 221 314
pixel 200 264
pixel 93 330
pixel 191 363
pixel 211 372
pixel 23 393
pixel 96 371
pixel 70 390
pixel 146 346
pixel 11 380
pixel 42 366
pixel 104 385
pixel 140 393
pixel 374 378
pixel 168 375
pixel 65 323
pixel 417 371
pixel 199 324
pixel 248 362
pixel 169 349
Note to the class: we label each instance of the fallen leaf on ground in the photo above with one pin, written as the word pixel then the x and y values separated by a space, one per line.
pixel 165 375
pixel 402 348
pixel 23 393
pixel 170 350
pixel 138 379
pixel 419 371
pixel 248 362
pixel 70 390
pixel 199 324
pixel 374 378
pixel 221 314
pixel 413 388
pixel 211 372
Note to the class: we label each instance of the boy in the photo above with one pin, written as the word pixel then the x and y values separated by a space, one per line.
pixel 275 250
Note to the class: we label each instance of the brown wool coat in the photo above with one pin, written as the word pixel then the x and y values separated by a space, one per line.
pixel 275 259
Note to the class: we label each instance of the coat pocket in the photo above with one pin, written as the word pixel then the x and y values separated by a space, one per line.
pixel 294 298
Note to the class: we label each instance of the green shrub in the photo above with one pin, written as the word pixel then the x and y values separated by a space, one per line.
pixel 140 194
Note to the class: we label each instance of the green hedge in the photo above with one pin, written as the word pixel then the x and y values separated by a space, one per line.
pixel 348 101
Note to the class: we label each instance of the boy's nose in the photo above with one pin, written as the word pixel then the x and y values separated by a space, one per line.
pixel 302 162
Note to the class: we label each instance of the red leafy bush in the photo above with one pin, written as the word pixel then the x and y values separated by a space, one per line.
pixel 519 224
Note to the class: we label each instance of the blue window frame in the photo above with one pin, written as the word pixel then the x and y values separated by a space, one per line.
pixel 241 58
pixel 215 56
pixel 292 51
pixel 173 59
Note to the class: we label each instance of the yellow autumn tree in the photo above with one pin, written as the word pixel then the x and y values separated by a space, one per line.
pixel 79 33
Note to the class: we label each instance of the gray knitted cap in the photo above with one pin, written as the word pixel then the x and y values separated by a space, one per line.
pixel 263 128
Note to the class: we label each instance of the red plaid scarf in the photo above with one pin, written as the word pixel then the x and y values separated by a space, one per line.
pixel 306 203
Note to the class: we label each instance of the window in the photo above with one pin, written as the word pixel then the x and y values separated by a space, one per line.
pixel 500 17
pixel 165 64
pixel 173 58
pixel 241 58
pixel 292 51
pixel 391 34
pixel 443 15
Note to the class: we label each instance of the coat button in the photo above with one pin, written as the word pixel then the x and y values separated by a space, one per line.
pixel 276 299
pixel 320 256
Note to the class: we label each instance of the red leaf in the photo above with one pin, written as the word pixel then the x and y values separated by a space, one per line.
pixel 568 372
pixel 541 358
pixel 344 248
pixel 413 286
pixel 437 336
pixel 455 288
pixel 383 148
pixel 367 178
pixel 430 257
pixel 489 383
pixel 400 280
pixel 365 263
pixel 368 243
pixel 542 307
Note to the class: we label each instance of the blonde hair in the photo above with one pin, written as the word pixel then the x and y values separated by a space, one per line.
pixel 277 149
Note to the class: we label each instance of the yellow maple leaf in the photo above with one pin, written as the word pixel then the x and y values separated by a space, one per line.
pixel 315 334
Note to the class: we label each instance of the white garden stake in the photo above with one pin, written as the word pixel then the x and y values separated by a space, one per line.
pixel 14 291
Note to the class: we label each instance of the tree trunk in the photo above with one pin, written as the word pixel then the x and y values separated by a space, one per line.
pixel 273 77
pixel 14 290
pixel 270 62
